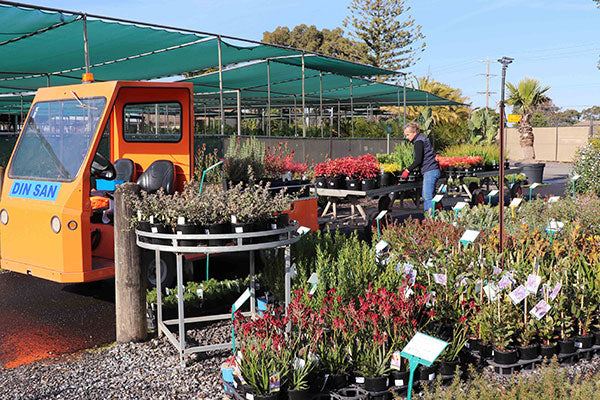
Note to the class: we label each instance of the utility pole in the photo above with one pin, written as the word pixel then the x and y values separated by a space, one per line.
pixel 487 82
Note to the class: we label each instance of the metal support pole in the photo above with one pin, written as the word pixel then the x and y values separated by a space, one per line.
pixel 252 285
pixel 399 123
pixel 303 100
pixel 21 108
pixel 268 98
pixel 288 279
pixel 86 48
pixel 556 144
pixel 295 116
pixel 351 108
pixel 404 100
pixel 47 80
pixel 239 112
pixel 339 117
pixel 221 85
pixel 321 100
pixel 206 122
pixel 504 61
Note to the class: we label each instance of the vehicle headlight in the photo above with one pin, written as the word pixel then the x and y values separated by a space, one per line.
pixel 55 224
pixel 4 216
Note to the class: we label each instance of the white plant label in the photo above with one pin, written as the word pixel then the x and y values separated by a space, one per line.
pixel 180 220
pixel 505 282
pixel 396 362
pixel 554 226
pixel 241 300
pixel 239 229
pixel 293 271
pixel 381 214
pixel 200 293
pixel 516 202
pixel 303 229
pixel 536 184
pixel 314 278
pixel 440 279
pixel 497 270
pixel 233 219
pixel 533 283
pixel 438 198
pixel 575 177
pixel 553 199
pixel 540 309
pixel 425 347
pixel 493 193
pixel 460 205
pixel 517 295
pixel 408 292
pixel 555 291
pixel 491 291
pixel 469 236
pixel 381 246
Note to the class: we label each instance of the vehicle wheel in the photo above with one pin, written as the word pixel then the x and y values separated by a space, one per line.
pixel 168 267
pixel 384 203
pixel 478 198
pixel 516 190
pixel 473 186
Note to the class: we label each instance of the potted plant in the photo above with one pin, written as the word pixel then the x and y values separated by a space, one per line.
pixel 388 173
pixel 299 374
pixel 547 333
pixel 263 366
pixel 527 329
pixel 322 173
pixel 373 363
pixel 449 357
pixel 502 334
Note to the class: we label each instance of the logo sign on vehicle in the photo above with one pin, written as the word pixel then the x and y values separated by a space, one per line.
pixel 34 190
pixel 514 118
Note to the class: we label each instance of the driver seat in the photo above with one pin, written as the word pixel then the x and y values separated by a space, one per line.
pixel 125 169
pixel 160 174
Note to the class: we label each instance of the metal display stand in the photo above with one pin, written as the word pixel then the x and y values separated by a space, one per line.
pixel 475 193
pixel 282 237
pixel 355 194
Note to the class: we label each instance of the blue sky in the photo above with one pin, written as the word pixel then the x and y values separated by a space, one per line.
pixel 555 41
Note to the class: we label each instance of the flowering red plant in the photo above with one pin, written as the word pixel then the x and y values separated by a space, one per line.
pixel 280 160
pixel 467 161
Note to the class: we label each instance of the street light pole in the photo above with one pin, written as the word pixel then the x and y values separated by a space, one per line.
pixel 504 61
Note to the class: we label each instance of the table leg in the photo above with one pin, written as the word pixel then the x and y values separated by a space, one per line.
pixel 158 292
pixel 326 208
pixel 362 212
pixel 334 210
pixel 180 303
pixel 252 286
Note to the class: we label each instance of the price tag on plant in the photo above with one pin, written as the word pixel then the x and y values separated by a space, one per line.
pixel 396 362
pixel 553 199
pixel 200 293
pixel 575 177
pixel 493 193
pixel 533 283
pixel 241 300
pixel 555 291
pixel 516 202
pixel 460 205
pixel 517 295
pixel 440 279
pixel 554 226
pixel 491 291
pixel 540 309
pixel 408 292
pixel 469 236
pixel 437 198
pixel 381 214
pixel 497 270
pixel 505 282
pixel 299 363
pixel 274 382
pixel 424 347
pixel 302 230
pixel 381 246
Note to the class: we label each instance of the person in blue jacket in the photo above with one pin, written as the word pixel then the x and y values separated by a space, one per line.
pixel 425 159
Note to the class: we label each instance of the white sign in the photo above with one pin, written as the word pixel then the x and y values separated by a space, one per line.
pixel 460 205
pixel 554 226
pixel 493 193
pixel 536 184
pixel 381 246
pixel 575 177
pixel 314 279
pixel 241 300
pixel 469 236
pixel 553 199
pixel 381 214
pixel 540 309
pixel 517 295
pixel 438 198
pixel 425 347
pixel 303 229
pixel 516 202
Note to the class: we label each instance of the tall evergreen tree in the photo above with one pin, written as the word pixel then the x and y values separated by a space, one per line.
pixel 393 38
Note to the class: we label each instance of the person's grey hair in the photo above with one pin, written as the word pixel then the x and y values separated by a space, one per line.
pixel 412 127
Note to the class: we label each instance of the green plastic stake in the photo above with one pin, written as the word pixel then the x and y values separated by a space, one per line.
pixel 204 174
pixel 530 190
pixel 207 263
pixel 413 363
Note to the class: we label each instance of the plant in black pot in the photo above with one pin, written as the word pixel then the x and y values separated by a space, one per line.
pixel 502 334
pixel 527 347
pixel 303 365
pixel 449 357
pixel 216 218
pixel 144 206
pixel 373 363
pixel 388 174
pixel 548 336
pixel 367 170
pixel 566 323
pixel 586 295
pixel 241 156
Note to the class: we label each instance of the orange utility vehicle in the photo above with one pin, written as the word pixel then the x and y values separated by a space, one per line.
pixel 73 136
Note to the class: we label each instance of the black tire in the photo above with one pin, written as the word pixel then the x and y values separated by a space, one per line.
pixel 168 269
pixel 384 203
pixel 473 186
pixel 478 198
pixel 516 190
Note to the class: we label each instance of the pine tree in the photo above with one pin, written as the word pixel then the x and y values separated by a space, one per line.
pixel 392 43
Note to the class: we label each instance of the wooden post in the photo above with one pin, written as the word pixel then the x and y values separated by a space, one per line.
pixel 130 281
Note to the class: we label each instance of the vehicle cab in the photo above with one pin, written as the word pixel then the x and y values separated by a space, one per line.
pixel 70 143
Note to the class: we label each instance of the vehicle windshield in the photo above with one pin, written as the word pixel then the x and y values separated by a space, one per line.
pixel 56 139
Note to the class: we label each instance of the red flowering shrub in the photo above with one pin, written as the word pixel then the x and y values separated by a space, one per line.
pixel 280 160
pixel 459 162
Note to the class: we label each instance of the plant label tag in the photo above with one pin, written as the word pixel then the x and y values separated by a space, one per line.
pixel 460 205
pixel 302 230
pixel 299 363
pixel 505 282
pixel 444 188
pixel 493 193
pixel 575 177
pixel 497 270
pixel 233 219
pixel 239 229
pixel 273 226
pixel 381 246
pixel 360 379
pixel 553 199
pixel 517 295
pixel 399 382
pixel 555 291
pixel 396 362
pixel 408 292
pixel 536 184
pixel 440 279
pixel 249 396
pixel 381 214
pixel 206 232
pixel 438 198
pixel 533 283
pixel 241 300
pixel 478 286
pixel 293 271
pixel 154 229
pixel 491 291
pixel 313 289
pixel 540 310
pixel 554 226
pixel 516 202
pixel 469 236
pixel 139 214
pixel 181 220
pixel 314 279
pixel 152 219
pixel 425 347
pixel 200 293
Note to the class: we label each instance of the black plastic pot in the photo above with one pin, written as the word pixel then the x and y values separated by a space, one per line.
pixel 473 344
pixel 376 383
pixel 261 226
pixel 336 381
pixel 217 229
pixel 335 183
pixel 399 378
pixel 270 396
pixel 427 373
pixel 388 179
pixel 368 184
pixel 144 226
pixel 299 394
pixel 584 342
pixel 534 172
pixel 548 351
pixel 321 182
pixel 486 350
pixel 353 184
pixel 186 229
pixel 448 368
pixel 242 228
pixel 505 357
pixel 160 228
pixel 530 352
pixel 566 346
pixel 597 338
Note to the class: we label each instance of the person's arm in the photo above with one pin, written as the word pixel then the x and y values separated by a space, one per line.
pixel 419 149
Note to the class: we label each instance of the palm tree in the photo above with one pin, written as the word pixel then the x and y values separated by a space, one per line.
pixel 524 98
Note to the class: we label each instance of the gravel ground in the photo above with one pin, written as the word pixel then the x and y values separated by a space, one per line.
pixel 149 370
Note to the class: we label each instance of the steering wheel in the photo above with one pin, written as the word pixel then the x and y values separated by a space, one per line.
pixel 102 167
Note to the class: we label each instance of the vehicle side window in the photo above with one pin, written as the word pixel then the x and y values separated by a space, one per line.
pixel 152 122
